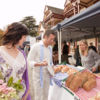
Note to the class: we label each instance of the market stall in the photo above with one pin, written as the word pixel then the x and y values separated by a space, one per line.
pixel 57 91
pixel 84 25
pixel 81 26
pixel 74 83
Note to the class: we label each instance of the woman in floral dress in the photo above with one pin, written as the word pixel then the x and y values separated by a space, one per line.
pixel 12 59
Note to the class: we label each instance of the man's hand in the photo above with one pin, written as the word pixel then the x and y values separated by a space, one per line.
pixel 44 63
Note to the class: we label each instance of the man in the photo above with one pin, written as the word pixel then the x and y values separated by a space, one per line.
pixel 92 47
pixel 40 60
pixel 65 52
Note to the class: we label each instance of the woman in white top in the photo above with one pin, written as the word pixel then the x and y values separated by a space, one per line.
pixel 89 58
pixel 12 60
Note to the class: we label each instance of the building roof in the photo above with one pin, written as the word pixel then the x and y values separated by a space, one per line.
pixel 55 10
pixel 83 25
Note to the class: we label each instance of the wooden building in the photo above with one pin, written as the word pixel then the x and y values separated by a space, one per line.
pixel 72 7
pixel 52 16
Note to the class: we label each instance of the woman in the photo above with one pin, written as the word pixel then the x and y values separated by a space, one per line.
pixel 12 60
pixel 89 58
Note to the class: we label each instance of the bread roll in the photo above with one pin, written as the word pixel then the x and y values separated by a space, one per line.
pixel 90 84
pixel 57 69
pixel 64 69
pixel 97 97
pixel 68 81
pixel 75 83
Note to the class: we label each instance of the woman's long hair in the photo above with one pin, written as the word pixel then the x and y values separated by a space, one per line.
pixel 14 33
pixel 86 50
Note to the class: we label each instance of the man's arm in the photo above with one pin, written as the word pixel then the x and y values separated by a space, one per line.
pixel 31 58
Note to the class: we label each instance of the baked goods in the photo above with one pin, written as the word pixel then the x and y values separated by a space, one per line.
pixel 75 83
pixel 57 69
pixel 86 80
pixel 65 69
pixel 96 97
pixel 69 79
pixel 90 84
pixel 71 71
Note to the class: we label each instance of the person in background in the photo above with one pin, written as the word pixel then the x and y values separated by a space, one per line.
pixel 27 49
pixel 55 53
pixel 89 58
pixel 92 47
pixel 77 56
pixel 13 60
pixel 40 62
pixel 65 52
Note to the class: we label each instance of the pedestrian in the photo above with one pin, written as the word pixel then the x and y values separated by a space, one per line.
pixel 12 60
pixel 40 62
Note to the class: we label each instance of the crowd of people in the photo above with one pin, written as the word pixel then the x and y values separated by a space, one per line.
pixel 38 60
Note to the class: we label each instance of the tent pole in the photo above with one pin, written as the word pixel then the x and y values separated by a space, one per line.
pixel 60 47
pixel 59 42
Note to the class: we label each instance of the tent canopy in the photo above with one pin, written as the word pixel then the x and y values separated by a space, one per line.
pixel 83 25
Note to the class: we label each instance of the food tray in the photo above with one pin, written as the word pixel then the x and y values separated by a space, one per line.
pixel 81 94
pixel 62 76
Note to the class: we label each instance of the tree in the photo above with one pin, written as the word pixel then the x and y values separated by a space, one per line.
pixel 30 22
pixel 1 34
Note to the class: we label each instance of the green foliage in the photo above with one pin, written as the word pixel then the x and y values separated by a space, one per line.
pixel 18 86
pixel 30 22
pixel 10 81
pixel 1 34
pixel 1 76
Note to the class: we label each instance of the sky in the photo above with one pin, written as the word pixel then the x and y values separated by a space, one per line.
pixel 16 10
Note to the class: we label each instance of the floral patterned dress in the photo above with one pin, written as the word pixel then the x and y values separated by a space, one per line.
pixel 12 67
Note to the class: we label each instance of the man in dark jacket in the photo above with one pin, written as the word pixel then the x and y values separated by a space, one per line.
pixel 92 47
pixel 65 52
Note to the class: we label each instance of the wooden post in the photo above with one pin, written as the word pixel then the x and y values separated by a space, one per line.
pixel 96 43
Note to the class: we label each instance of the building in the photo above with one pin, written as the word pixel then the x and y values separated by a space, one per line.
pixel 52 16
pixel 72 7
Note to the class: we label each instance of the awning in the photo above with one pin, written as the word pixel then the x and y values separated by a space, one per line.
pixel 83 25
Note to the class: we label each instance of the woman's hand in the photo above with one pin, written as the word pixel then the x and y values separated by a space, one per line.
pixel 26 95
pixel 24 98
pixel 93 69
